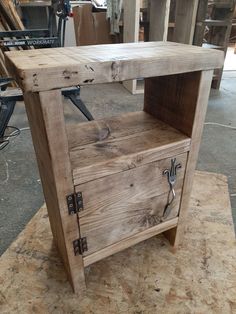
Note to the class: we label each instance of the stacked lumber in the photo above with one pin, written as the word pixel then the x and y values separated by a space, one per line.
pixel 9 20
pixel 9 14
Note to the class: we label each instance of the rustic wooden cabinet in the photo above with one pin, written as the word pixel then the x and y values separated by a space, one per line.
pixel 114 182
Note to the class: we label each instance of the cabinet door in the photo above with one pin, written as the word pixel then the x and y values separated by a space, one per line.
pixel 124 204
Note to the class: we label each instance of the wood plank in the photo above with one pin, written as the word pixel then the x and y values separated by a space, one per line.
pixel 198 123
pixel 159 19
pixel 9 9
pixel 124 163
pixel 172 99
pixel 45 113
pixel 106 63
pixel 185 20
pixel 111 128
pixel 83 19
pixel 122 245
pixel 121 143
pixel 121 205
pixel 131 21
pixel 200 25
pixel 131 32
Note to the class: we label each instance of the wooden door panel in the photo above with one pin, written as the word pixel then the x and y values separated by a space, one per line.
pixel 120 205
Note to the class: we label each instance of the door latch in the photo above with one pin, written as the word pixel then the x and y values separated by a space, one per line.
pixel 171 177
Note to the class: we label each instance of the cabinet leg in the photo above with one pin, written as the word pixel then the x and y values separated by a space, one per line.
pixel 170 235
pixel 46 117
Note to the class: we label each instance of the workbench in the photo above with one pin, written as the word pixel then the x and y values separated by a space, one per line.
pixel 112 183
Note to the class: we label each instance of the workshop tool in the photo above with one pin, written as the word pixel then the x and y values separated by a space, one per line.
pixel 38 38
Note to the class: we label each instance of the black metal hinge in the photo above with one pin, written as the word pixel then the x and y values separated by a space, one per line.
pixel 75 203
pixel 80 246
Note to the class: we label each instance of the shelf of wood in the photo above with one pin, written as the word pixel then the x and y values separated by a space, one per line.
pixel 112 145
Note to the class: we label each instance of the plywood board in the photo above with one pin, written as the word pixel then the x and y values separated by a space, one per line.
pixel 147 278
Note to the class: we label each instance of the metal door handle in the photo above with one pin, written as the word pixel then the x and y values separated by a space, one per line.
pixel 171 177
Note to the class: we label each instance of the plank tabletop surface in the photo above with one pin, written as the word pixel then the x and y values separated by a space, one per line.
pixel 46 69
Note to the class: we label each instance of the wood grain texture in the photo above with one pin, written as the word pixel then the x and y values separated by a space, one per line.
pixel 109 146
pixel 159 19
pixel 131 32
pixel 91 28
pixel 130 241
pixel 122 205
pixel 45 115
pixel 172 99
pixel 198 123
pixel 111 128
pixel 106 63
pixel 185 20
pixel 83 19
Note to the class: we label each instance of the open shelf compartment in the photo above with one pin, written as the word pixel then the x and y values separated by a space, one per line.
pixel 112 145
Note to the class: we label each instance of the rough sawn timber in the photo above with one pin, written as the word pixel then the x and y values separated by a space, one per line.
pixel 65 67
pixel 177 85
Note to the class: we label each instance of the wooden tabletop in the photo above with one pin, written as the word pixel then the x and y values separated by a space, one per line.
pixel 46 69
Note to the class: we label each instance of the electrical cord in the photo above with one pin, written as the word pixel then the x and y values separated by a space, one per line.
pixel 16 132
pixel 222 125
pixel 4 141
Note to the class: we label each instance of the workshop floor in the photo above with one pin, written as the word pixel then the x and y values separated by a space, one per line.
pixel 20 186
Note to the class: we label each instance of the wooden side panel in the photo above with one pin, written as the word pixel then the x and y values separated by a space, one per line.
pixel 181 101
pixel 159 19
pixel 121 205
pixel 197 129
pixel 185 19
pixel 172 99
pixel 46 117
